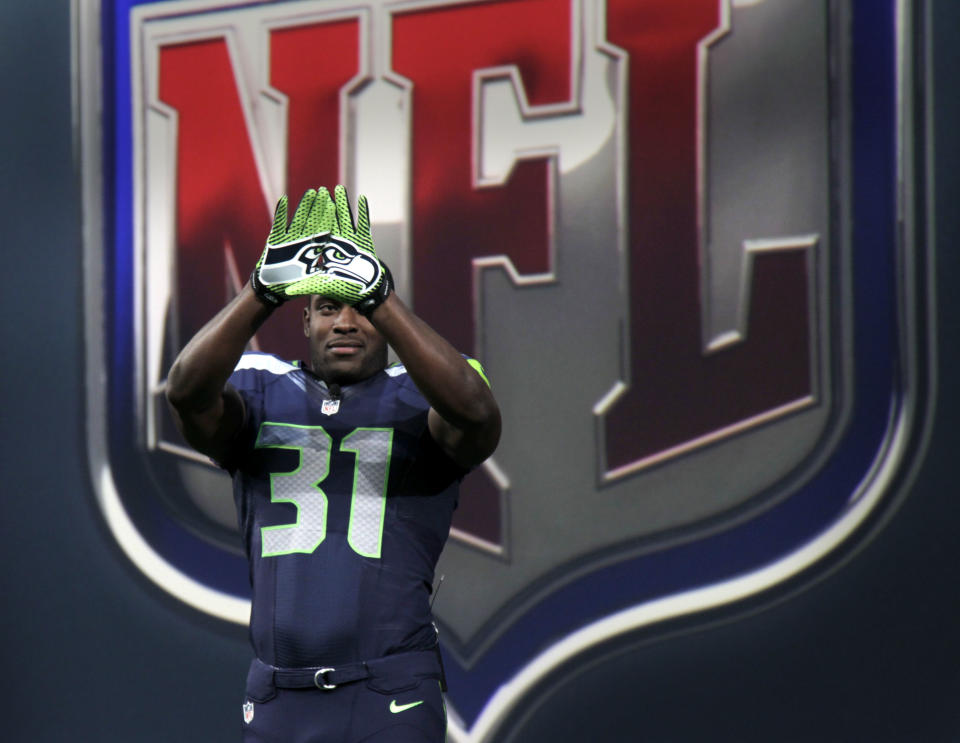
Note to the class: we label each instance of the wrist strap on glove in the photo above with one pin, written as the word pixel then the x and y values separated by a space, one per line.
pixel 368 304
pixel 262 293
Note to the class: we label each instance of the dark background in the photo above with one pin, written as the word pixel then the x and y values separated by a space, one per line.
pixel 866 651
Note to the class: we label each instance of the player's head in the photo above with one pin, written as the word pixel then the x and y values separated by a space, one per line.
pixel 344 346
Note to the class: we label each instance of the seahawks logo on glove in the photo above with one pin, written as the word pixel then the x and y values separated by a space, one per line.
pixel 341 259
pixel 333 256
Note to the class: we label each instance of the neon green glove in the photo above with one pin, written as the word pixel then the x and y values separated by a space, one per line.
pixel 294 255
pixel 336 260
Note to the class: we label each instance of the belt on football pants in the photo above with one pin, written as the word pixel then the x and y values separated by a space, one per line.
pixel 420 663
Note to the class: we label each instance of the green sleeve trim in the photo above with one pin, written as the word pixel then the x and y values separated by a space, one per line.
pixel 478 368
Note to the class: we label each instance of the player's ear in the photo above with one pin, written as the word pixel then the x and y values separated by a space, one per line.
pixel 306 318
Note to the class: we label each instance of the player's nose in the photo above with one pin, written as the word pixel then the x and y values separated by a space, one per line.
pixel 346 319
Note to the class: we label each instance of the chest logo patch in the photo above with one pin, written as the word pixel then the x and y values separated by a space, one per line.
pixel 330 407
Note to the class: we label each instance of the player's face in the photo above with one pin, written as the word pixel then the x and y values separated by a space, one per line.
pixel 344 345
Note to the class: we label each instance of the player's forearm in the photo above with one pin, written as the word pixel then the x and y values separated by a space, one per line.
pixel 200 371
pixel 454 389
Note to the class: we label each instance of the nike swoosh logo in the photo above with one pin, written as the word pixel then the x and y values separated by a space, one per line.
pixel 394 707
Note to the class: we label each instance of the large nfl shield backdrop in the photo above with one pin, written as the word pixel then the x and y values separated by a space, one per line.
pixel 638 215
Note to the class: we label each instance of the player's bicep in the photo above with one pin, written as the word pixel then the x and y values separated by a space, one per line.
pixel 212 430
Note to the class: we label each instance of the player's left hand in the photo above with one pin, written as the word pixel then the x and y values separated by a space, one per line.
pixel 293 253
pixel 350 270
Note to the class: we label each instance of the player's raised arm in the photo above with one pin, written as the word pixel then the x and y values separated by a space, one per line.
pixel 208 411
pixel 464 417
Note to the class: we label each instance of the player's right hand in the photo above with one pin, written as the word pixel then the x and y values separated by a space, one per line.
pixel 293 255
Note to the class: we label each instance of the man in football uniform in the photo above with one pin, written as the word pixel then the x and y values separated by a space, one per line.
pixel 345 476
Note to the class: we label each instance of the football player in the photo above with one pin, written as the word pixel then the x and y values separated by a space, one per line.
pixel 345 475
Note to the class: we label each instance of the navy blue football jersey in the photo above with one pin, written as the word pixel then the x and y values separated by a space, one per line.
pixel 344 504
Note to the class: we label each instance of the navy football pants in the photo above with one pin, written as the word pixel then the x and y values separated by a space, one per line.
pixel 374 710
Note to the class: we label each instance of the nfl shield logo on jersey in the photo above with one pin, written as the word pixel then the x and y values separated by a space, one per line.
pixel 650 247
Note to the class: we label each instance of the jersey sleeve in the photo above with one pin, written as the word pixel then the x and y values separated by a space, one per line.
pixel 441 468
pixel 249 379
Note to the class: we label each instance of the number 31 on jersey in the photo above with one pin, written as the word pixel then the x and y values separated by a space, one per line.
pixel 371 448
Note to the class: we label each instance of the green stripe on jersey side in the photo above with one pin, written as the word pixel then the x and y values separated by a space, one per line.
pixel 478 368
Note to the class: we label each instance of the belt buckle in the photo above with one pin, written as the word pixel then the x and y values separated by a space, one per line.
pixel 318 677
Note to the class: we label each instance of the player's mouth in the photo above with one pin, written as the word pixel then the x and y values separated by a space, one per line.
pixel 345 348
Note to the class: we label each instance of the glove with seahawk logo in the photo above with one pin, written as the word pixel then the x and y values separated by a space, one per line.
pixel 292 254
pixel 323 253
